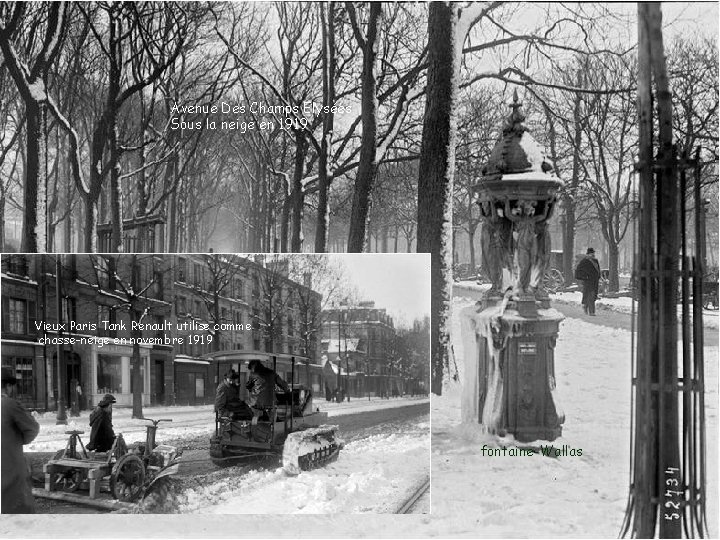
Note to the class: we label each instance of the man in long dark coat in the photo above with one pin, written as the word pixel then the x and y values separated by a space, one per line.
pixel 18 428
pixel 102 434
pixel 261 386
pixel 588 274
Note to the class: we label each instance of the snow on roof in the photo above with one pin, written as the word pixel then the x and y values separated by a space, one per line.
pixel 349 345
pixel 182 359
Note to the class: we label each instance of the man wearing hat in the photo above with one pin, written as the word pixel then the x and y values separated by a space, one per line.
pixel 588 274
pixel 18 428
pixel 227 395
pixel 101 428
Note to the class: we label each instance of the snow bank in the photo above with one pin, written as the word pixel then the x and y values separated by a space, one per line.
pixel 571 496
pixel 372 475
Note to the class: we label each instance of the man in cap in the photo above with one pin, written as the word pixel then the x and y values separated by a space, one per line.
pixel 227 394
pixel 101 432
pixel 588 273
pixel 18 428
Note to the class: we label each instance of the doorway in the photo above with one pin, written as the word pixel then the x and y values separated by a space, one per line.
pixel 159 389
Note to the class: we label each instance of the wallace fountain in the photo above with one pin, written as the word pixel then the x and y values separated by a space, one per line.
pixel 509 336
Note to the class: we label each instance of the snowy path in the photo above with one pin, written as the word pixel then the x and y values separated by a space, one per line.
pixel 544 497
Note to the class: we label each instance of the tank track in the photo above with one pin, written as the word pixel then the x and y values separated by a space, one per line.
pixel 319 458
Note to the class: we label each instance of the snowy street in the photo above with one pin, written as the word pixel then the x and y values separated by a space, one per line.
pixel 569 496
pixel 386 457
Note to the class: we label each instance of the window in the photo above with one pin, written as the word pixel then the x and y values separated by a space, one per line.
pixel 238 289
pixel 69 309
pixel 182 270
pixel 198 309
pixel 142 374
pixel 182 306
pixel 109 374
pixel 15 264
pixel 199 386
pixel 18 316
pixel 106 315
pixel 198 275
pixel 159 334
pixel 158 285
pixel 137 277
pixel 23 369
pixel 223 314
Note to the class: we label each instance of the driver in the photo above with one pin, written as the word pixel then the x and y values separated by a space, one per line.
pixel 261 386
pixel 227 394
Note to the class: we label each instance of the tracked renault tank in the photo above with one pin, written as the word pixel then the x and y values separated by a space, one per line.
pixel 293 429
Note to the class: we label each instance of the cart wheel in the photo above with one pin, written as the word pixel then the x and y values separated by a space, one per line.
pixel 553 280
pixel 127 478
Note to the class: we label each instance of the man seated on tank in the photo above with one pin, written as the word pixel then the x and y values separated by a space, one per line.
pixel 102 435
pixel 227 394
pixel 261 387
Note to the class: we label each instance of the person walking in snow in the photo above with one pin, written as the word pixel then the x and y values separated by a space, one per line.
pixel 587 273
pixel 18 428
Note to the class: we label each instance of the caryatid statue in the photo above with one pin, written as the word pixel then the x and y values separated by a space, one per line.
pixel 516 196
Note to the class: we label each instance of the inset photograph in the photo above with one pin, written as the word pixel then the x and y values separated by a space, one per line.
pixel 216 383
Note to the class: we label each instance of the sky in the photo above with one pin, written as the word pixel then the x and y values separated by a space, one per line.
pixel 399 282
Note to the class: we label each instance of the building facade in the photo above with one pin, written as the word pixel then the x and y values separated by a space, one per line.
pixel 359 341
pixel 162 313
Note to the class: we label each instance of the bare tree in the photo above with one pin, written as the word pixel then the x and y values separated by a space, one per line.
pixel 30 75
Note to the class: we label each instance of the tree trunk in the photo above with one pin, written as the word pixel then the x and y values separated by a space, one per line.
pixel 471 239
pixel 2 221
pixel 137 379
pixel 613 252
pixel 367 168
pixel 172 232
pixel 435 176
pixel 34 236
pixel 323 212
pixel 91 223
pixel 570 191
pixel 285 224
pixel 297 196
pixel 116 245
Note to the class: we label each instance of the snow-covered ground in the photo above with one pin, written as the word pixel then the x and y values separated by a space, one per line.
pixel 586 496
pixel 187 421
pixel 375 475
pixel 623 304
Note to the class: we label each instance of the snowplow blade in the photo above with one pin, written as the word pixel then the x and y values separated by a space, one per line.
pixel 311 448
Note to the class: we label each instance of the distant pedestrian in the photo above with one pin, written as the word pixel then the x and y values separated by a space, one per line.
pixel 587 273
pixel 18 428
